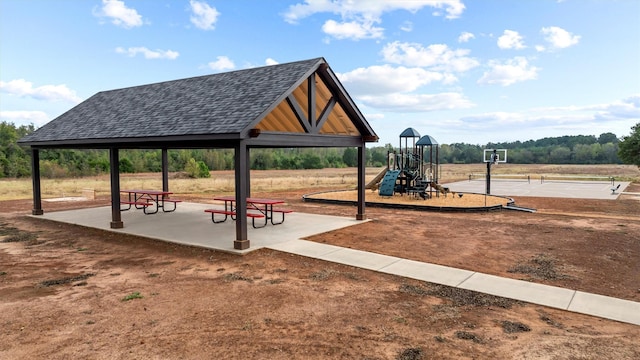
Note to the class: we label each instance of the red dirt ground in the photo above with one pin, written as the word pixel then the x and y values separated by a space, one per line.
pixel 63 289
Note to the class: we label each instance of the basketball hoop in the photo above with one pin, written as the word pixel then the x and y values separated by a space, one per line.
pixel 493 157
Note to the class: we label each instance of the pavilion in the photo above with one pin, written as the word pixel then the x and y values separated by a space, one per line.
pixel 297 104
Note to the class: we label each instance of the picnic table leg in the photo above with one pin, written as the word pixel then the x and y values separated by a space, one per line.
pixel 144 208
pixel 279 222
pixel 253 223
pixel 213 218
pixel 129 205
pixel 175 206
pixel 136 199
pixel 266 214
pixel 233 217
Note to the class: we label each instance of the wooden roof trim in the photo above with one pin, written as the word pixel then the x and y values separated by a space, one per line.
pixel 352 110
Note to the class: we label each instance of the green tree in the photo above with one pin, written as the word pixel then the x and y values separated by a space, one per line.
pixel 203 170
pixel 197 169
pixel 350 157
pixel 584 154
pixel 609 154
pixel 311 161
pixel 629 147
pixel 152 161
pixel 378 156
pixel 560 155
pixel 125 165
pixel 15 161
pixel 606 138
pixel 262 159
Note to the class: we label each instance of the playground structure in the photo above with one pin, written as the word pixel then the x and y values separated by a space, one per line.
pixel 412 170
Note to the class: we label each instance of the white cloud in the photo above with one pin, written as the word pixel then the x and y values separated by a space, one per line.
pixel 510 72
pixel 511 40
pixel 378 80
pixel 357 17
pixel 406 26
pixel 628 108
pixel 388 88
pixel 352 30
pixel 494 118
pixel 148 54
pixel 616 117
pixel 417 102
pixel 222 63
pixel 465 36
pixel 23 88
pixel 37 118
pixel 119 14
pixel 558 38
pixel 204 16
pixel 436 56
pixel 270 61
pixel 374 116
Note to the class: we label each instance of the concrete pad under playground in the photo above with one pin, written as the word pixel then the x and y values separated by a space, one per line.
pixel 600 190
pixel 189 225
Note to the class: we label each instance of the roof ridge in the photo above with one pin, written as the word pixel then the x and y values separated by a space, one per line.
pixel 257 68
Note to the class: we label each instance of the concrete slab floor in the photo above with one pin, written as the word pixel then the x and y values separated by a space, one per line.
pixel 190 225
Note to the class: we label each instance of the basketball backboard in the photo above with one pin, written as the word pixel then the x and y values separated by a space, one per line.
pixel 495 155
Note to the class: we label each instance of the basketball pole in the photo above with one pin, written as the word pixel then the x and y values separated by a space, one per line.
pixel 488 191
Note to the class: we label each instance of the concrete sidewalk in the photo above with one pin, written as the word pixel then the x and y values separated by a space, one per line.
pixel 189 225
pixel 551 296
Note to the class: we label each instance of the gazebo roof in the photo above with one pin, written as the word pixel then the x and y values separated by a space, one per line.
pixel 294 104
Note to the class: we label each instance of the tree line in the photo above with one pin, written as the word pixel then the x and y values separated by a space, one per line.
pixel 581 149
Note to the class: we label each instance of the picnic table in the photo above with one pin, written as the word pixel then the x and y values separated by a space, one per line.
pixel 144 199
pixel 257 208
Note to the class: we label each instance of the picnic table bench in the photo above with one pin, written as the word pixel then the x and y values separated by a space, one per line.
pixel 257 209
pixel 232 214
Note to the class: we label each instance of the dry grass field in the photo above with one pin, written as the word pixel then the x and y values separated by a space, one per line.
pixel 68 292
pixel 222 182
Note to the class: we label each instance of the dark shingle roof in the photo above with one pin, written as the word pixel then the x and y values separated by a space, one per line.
pixel 224 103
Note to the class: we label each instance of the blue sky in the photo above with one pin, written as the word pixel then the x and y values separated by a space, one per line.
pixel 458 70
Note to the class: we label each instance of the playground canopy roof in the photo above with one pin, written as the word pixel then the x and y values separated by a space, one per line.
pixel 410 132
pixel 427 140
pixel 294 104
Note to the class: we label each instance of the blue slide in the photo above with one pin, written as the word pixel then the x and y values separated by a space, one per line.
pixel 388 183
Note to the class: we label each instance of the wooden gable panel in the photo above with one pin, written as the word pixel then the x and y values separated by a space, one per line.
pixel 284 119
pixel 339 123
pixel 281 119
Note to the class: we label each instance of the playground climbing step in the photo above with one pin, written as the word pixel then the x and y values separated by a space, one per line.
pixel 389 183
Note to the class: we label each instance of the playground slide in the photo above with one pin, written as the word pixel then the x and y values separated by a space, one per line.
pixel 388 184
pixel 373 184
